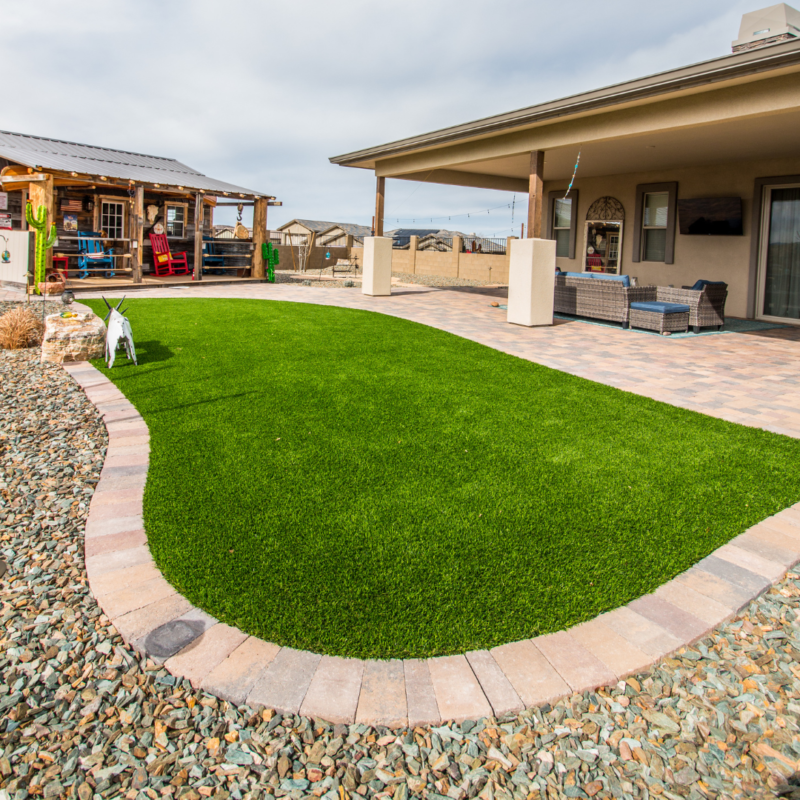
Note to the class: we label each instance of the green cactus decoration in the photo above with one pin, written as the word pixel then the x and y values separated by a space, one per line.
pixel 38 222
pixel 270 253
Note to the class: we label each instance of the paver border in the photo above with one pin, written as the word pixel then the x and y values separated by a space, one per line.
pixel 156 620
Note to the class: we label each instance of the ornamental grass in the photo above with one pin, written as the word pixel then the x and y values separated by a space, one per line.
pixel 20 328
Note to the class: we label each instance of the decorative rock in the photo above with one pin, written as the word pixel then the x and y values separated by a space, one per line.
pixel 78 338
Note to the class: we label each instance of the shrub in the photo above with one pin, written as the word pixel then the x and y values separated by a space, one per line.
pixel 20 328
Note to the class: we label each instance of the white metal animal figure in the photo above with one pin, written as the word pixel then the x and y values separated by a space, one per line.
pixel 119 330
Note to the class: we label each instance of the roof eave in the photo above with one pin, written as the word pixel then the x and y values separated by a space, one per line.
pixel 724 68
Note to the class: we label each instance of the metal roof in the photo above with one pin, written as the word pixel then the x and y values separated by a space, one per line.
pixel 41 153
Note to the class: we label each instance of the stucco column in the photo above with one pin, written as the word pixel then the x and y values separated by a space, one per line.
pixel 458 246
pixel 377 267
pixel 531 282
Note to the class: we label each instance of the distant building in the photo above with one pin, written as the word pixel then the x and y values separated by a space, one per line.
pixel 301 231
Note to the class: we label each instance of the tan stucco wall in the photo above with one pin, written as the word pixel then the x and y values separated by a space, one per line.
pixel 472 266
pixel 716 258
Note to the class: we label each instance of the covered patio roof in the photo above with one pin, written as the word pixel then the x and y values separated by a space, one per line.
pixel 734 107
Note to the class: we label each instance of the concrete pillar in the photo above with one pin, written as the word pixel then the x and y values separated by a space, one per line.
pixel 412 259
pixel 377 266
pixel 531 282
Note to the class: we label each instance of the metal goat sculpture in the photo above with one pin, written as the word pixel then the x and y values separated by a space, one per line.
pixel 119 330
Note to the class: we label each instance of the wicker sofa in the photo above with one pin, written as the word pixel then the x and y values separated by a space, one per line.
pixel 706 301
pixel 599 297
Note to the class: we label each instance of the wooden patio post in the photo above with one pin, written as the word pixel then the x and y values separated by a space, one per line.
pixel 380 194
pixel 198 237
pixel 137 234
pixel 41 194
pixel 535 187
pixel 259 235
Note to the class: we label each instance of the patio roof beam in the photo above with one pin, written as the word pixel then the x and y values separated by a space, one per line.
pixel 474 180
pixel 380 196
pixel 535 191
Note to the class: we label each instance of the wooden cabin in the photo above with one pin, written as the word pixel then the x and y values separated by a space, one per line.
pixel 122 198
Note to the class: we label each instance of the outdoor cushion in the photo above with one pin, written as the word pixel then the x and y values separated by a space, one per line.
pixel 700 285
pixel 623 279
pixel 660 307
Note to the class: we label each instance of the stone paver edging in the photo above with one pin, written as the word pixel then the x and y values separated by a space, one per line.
pixel 153 618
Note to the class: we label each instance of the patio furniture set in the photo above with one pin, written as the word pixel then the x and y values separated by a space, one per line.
pixel 664 309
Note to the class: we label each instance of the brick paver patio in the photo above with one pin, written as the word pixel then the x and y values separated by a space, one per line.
pixel 751 378
pixel 747 378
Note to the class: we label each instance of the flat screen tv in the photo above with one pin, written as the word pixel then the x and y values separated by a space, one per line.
pixel 711 216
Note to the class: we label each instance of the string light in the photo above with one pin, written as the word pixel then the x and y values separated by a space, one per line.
pixel 574 173
pixel 467 214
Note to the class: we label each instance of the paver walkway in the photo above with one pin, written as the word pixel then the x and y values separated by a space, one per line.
pixel 733 376
pixel 752 378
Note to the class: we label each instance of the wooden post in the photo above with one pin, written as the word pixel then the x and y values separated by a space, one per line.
pixel 198 237
pixel 259 236
pixel 41 194
pixel 535 187
pixel 137 234
pixel 379 200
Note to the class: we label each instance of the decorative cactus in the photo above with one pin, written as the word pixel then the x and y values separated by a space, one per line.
pixel 38 222
pixel 270 253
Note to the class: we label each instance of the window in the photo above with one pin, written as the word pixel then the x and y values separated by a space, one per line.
pixel 176 220
pixel 564 222
pixel 654 227
pixel 112 219
pixel 656 211
pixel 602 246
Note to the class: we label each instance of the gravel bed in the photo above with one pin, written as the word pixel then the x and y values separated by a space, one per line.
pixel 312 277
pixel 50 307
pixel 439 281
pixel 81 715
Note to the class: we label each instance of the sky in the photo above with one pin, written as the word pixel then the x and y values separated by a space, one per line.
pixel 261 94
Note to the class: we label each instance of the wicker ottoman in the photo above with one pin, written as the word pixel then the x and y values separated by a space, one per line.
pixel 660 316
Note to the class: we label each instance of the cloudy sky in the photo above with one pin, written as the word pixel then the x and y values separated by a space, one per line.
pixel 261 93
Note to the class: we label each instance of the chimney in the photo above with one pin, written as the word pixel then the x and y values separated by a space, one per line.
pixel 772 25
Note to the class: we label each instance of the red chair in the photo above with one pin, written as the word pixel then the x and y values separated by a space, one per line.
pixel 166 262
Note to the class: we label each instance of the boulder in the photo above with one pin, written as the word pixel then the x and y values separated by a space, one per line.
pixel 80 337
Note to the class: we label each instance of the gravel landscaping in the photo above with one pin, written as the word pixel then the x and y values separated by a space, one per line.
pixel 439 281
pixel 312 278
pixel 83 716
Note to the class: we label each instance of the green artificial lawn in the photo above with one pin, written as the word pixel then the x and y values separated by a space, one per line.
pixel 359 485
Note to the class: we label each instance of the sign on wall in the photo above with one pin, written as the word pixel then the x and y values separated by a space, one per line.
pixel 5 221
pixel 3 201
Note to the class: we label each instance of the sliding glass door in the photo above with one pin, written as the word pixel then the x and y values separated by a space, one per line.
pixel 780 254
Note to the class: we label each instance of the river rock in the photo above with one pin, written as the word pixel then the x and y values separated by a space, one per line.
pixel 78 338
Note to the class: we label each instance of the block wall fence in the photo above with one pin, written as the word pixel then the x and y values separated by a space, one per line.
pixel 455 264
